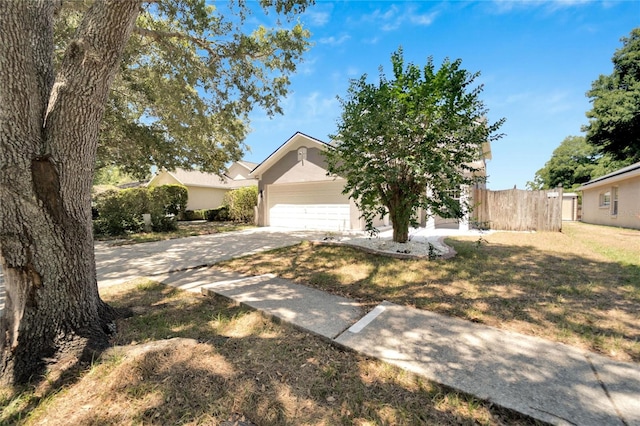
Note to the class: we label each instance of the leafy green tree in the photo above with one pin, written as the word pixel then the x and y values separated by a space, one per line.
pixel 571 164
pixel 185 76
pixel 190 74
pixel 614 120
pixel 410 142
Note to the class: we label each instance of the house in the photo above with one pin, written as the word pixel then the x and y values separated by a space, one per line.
pixel 295 191
pixel 613 199
pixel 207 190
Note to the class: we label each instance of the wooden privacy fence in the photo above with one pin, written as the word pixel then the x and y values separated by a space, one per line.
pixel 518 209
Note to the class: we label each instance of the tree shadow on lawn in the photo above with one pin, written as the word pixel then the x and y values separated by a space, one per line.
pixel 223 361
pixel 565 297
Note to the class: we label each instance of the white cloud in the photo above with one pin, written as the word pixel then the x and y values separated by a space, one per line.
pixel 319 106
pixel 395 18
pixel 505 6
pixel 333 41
pixel 307 66
pixel 318 19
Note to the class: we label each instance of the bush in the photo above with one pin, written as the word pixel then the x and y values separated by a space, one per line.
pixel 121 212
pixel 193 215
pixel 220 214
pixel 241 203
pixel 172 198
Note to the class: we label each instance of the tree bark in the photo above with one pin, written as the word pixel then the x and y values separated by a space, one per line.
pixel 399 213
pixel 48 141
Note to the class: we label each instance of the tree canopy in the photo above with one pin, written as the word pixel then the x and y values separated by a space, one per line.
pixel 572 164
pixel 614 120
pixel 411 142
pixel 190 74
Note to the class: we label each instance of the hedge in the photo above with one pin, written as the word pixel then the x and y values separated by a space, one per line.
pixel 241 203
pixel 121 212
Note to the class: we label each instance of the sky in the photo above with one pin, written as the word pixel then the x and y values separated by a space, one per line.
pixel 537 60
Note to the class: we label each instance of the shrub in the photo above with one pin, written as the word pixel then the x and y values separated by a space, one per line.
pixel 172 198
pixel 241 203
pixel 121 212
pixel 193 215
pixel 220 214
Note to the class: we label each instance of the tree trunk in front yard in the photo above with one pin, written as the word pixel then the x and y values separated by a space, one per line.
pixel 399 214
pixel 48 142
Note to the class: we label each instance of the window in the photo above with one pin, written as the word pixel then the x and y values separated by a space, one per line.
pixel 614 199
pixel 605 199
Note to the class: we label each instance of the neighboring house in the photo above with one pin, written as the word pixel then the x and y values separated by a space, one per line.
pixel 241 170
pixel 206 190
pixel 295 191
pixel 613 199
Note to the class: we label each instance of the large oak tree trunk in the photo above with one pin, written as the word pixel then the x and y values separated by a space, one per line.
pixel 48 139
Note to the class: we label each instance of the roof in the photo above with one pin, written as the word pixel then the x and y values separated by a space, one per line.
pixel 247 164
pixel 618 175
pixel 280 151
pixel 206 180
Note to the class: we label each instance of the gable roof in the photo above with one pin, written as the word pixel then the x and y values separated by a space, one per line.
pixel 618 175
pixel 247 164
pixel 204 180
pixel 298 137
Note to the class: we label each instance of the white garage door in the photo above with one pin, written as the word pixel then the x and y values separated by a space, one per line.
pixel 317 205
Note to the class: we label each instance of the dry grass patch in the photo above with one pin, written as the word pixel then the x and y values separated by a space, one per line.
pixel 186 359
pixel 580 287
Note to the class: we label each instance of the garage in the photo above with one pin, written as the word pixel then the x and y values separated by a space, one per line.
pixel 311 205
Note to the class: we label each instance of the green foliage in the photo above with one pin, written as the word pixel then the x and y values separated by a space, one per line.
pixel 172 198
pixel 423 129
pixel 190 75
pixel 614 120
pixel 111 175
pixel 241 202
pixel 121 212
pixel 221 214
pixel 573 163
pixel 193 215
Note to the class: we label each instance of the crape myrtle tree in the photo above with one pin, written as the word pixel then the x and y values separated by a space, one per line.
pixel 410 142
pixel 614 120
pixel 185 76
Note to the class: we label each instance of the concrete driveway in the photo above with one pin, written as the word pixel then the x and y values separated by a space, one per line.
pixel 117 264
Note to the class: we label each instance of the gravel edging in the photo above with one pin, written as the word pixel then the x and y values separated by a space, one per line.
pixel 450 252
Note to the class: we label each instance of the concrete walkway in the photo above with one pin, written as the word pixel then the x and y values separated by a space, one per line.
pixel 548 381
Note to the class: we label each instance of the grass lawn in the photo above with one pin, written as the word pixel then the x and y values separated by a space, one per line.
pixel 188 359
pixel 580 286
pixel 185 229
pixel 182 358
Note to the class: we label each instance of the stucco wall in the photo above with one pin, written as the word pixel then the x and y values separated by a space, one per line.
pixel 199 197
pixel 628 205
pixel 205 198
pixel 289 169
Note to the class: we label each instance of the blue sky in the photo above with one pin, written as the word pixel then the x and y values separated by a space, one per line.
pixel 537 60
